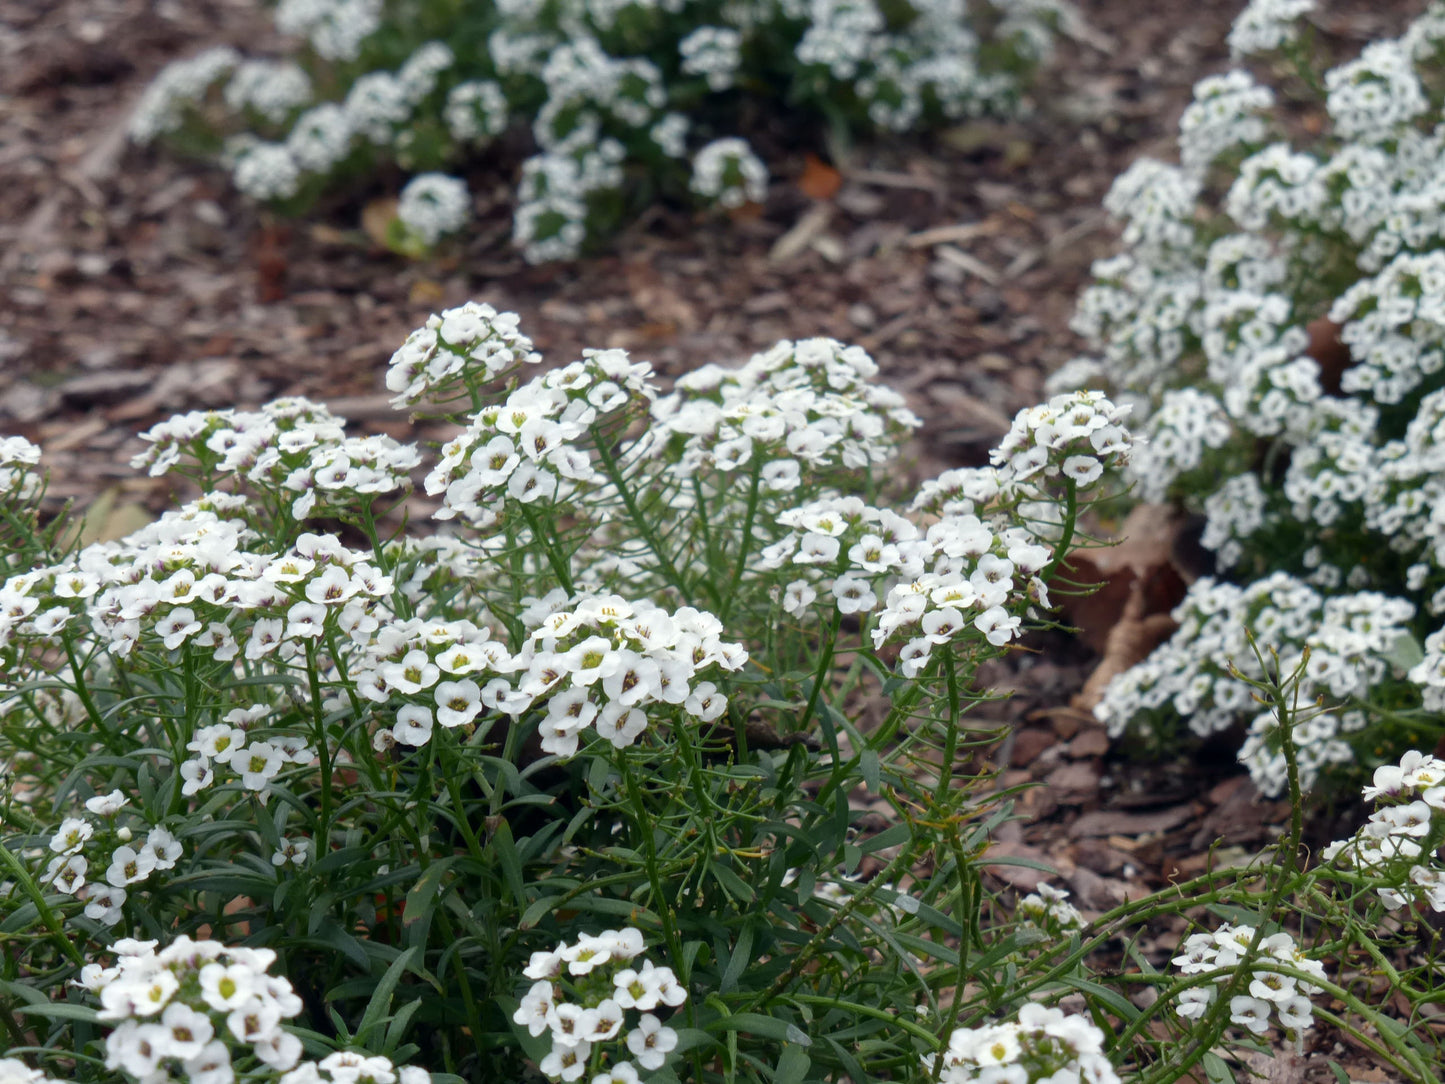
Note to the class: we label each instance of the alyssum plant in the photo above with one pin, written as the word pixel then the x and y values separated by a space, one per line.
pixel 624 100
pixel 570 781
pixel 1276 318
pixel 571 785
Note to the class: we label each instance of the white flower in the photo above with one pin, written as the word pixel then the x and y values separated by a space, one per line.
pixel 70 837
pixel 256 763
pixel 1250 1012
pixel 650 1042
pixel 108 804
pixel 413 725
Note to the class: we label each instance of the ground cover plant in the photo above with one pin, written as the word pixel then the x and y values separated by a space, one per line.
pixel 625 102
pixel 1274 319
pixel 297 791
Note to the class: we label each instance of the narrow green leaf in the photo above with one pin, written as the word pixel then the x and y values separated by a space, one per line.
pixel 792 1066
pixel 420 896
pixel 380 1002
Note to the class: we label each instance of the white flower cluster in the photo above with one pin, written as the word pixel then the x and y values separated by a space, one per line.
pixel 433 205
pixel 1073 438
pixel 263 171
pixel 727 172
pixel 1396 849
pixel 1049 910
pixel 271 89
pixel 1281 329
pixel 476 112
pixel 18 481
pixel 290 444
pixel 1220 954
pixel 1223 115
pixel 714 52
pixel 1350 639
pixel 456 351
pixel 604 99
pixel 195 1007
pixel 582 997
pixel 15 1071
pixel 334 28
pixel 103 840
pixel 811 405
pixel 1043 1045
pixel 602 663
pixel 163 107
pixel 529 448
pixel 1266 25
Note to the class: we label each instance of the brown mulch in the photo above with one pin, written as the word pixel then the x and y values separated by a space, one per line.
pixel 134 286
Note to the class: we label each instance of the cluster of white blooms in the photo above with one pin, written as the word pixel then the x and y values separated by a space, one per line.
pixel 1223 115
pixel 235 748
pixel 378 107
pixel 528 448
pixel 457 350
pixel 1073 438
pixel 1396 849
pixel 1049 910
pixel 1219 954
pixel 18 481
pixel 1350 640
pixel 180 85
pixel 1041 1046
pixel 1266 25
pixel 98 857
pixel 433 205
pixel 809 405
pixel 968 591
pixel 476 111
pixel 430 672
pixel 320 139
pixel 847 549
pixel 194 1008
pixel 334 28
pixel 600 95
pixel 289 444
pixel 263 171
pixel 15 1071
pixel 1281 330
pixel 272 89
pixel 582 998
pixel 1375 95
pixel 714 52
pixel 727 172
pixel 1156 203
pixel 597 661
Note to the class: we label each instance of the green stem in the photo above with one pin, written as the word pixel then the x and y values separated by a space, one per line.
pixel 323 751
pixel 37 897
pixel 745 541
pixel 643 523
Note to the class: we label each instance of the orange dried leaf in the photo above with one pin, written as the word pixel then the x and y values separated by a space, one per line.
pixel 819 180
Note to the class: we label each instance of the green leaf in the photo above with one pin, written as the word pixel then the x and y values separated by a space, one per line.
pixel 792 1066
pixel 61 1012
pixel 751 1023
pixel 1405 653
pixel 1217 1069
pixel 741 957
pixel 506 850
pixel 731 883
pixel 532 915
pixel 1116 1001
pixel 421 894
pixel 868 765
pixel 380 1002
